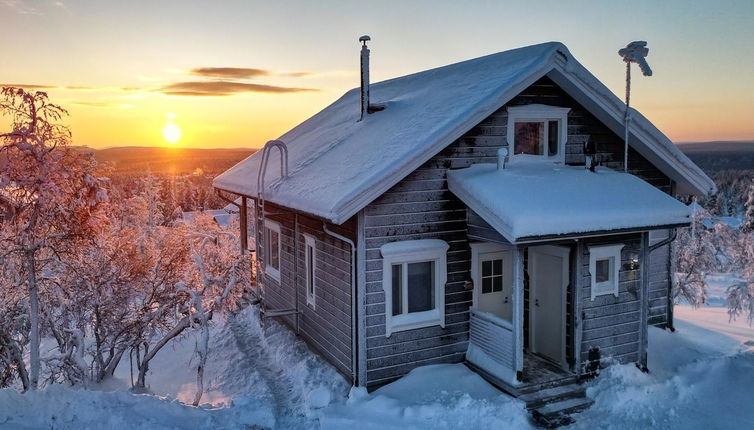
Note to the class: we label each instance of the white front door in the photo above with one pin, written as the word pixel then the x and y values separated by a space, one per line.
pixel 548 283
pixel 493 282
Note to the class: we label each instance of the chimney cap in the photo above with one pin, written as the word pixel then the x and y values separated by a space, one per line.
pixel 364 39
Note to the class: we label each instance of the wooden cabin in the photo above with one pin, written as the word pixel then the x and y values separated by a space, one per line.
pixel 452 216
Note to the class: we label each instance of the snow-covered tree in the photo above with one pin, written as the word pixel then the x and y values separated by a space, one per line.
pixel 740 294
pixel 748 222
pixel 48 200
pixel 210 284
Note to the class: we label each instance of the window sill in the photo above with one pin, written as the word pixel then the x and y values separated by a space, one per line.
pixel 413 321
pixel 272 273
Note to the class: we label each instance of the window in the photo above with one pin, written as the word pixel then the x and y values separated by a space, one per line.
pixel 272 249
pixel 492 275
pixel 538 130
pixel 604 266
pixel 310 261
pixel 414 277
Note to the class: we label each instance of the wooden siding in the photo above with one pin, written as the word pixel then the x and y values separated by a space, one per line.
pixel 327 326
pixel 421 207
pixel 659 280
pixel 612 323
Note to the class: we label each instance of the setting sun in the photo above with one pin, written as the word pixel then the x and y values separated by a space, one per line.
pixel 171 132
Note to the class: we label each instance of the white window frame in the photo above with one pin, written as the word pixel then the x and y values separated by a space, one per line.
pixel 478 248
pixel 272 226
pixel 539 113
pixel 605 252
pixel 310 272
pixel 414 251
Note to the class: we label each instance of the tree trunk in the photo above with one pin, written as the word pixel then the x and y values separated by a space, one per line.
pixel 143 365
pixel 34 320
pixel 203 351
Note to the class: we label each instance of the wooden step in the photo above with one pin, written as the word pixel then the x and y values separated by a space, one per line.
pixel 533 388
pixel 541 398
pixel 557 414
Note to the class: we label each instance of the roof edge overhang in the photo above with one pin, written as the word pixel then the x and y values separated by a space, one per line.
pixel 507 232
pixel 572 236
pixel 610 110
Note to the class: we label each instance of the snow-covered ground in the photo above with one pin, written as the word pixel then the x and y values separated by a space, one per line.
pixel 701 376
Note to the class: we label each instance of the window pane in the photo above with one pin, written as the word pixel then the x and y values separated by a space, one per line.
pixel 497 267
pixel 486 285
pixel 487 268
pixel 421 286
pixel 274 249
pixel 397 290
pixel 602 267
pixel 497 283
pixel 552 138
pixel 529 138
pixel 310 270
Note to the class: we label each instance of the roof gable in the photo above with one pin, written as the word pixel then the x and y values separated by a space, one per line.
pixel 338 165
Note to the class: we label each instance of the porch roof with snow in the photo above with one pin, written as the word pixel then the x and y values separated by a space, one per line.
pixel 532 199
pixel 338 164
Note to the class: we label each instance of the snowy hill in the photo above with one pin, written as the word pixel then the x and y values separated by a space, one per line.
pixel 700 377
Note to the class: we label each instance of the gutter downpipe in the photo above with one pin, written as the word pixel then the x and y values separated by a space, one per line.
pixel 354 301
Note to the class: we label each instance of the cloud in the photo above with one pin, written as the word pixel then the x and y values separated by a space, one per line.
pixel 20 7
pixel 296 74
pixel 70 87
pixel 242 73
pixel 29 86
pixel 228 72
pixel 224 88
pixel 101 105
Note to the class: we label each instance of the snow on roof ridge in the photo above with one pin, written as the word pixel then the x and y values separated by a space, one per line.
pixel 338 165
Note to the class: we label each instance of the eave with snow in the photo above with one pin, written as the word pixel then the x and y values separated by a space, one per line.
pixel 530 201
pixel 456 214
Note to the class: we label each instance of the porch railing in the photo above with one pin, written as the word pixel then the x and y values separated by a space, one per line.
pixel 494 337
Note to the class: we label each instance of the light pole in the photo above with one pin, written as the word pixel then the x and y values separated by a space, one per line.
pixel 634 52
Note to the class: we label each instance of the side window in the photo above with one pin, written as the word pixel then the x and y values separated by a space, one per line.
pixel 604 269
pixel 272 249
pixel 414 277
pixel 310 262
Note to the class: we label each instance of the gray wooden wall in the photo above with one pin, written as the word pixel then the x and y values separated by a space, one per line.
pixel 612 323
pixel 327 327
pixel 421 207
pixel 659 280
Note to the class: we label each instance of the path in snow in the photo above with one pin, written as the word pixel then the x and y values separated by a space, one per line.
pixel 286 366
pixel 251 342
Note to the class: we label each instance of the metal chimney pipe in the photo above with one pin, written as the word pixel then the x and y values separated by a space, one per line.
pixel 364 75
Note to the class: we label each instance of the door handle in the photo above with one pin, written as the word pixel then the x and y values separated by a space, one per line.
pixel 536 302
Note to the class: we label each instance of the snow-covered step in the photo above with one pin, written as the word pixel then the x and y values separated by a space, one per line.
pixel 541 398
pixel 557 414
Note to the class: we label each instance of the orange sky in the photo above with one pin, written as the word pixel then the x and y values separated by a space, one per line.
pixel 245 72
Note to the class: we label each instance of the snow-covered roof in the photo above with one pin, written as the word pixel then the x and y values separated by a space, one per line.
pixel 338 164
pixel 531 199
pixel 221 216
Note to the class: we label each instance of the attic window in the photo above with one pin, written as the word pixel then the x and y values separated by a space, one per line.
pixel 539 131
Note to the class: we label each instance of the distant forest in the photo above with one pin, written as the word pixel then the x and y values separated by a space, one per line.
pixel 731 166
pixel 184 176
